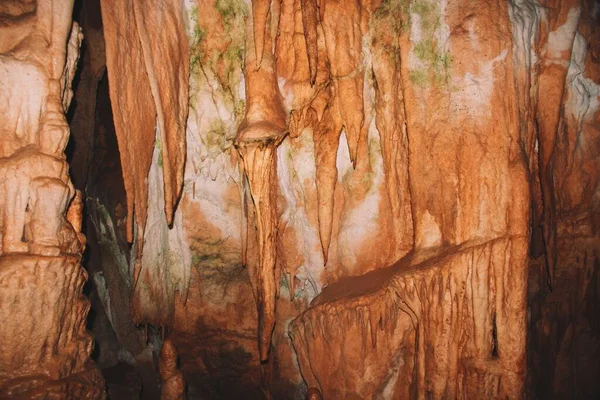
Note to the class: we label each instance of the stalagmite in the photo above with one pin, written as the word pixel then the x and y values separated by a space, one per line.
pixel 313 394
pixel 258 137
pixel 173 385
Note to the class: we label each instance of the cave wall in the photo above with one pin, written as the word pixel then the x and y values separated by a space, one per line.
pixel 44 345
pixel 407 187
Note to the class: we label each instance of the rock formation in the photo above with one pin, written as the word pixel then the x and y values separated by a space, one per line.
pixel 259 135
pixel 303 198
pixel 173 385
pixel 141 92
pixel 44 346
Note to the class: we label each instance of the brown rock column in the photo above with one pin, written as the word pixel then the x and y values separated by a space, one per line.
pixel 44 346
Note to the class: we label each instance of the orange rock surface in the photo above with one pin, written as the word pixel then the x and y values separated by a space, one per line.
pixel 45 348
pixel 332 199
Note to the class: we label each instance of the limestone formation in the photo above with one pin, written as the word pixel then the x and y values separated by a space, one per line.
pixel 173 386
pixel 45 348
pixel 259 135
pixel 143 92
pixel 133 107
pixel 169 88
pixel 389 199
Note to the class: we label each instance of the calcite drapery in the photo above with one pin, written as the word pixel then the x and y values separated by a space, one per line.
pixel 44 346
pixel 392 125
pixel 486 268
pixel 424 326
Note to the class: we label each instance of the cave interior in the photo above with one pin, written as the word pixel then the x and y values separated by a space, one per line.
pixel 299 199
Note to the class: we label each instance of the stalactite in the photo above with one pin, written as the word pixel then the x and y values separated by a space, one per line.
pixel 317 109
pixel 258 137
pixel 326 134
pixel 133 108
pixel 142 93
pixel 261 28
pixel 245 194
pixel 343 23
pixel 129 48
pixel 260 166
pixel 310 20
pixel 391 124
pixel 169 86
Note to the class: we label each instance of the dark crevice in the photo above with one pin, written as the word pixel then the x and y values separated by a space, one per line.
pixel 494 337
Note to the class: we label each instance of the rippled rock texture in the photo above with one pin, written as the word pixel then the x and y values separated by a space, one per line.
pixel 44 346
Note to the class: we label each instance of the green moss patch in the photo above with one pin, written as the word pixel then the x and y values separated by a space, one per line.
pixel 436 60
